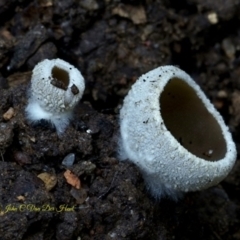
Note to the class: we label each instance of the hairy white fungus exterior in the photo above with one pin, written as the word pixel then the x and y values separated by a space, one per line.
pixel 56 88
pixel 172 132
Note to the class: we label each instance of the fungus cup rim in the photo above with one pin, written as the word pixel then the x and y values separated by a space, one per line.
pixel 153 164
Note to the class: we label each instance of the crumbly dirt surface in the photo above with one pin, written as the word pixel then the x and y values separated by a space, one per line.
pixel 112 42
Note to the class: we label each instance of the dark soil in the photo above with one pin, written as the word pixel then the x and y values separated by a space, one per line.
pixel 112 42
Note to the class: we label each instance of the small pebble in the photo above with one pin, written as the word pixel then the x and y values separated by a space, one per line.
pixel 229 48
pixel 10 113
pixel 79 194
pixel 20 198
pixel 212 18
pixel 69 160
pixel 22 158
pixel 222 94
pixel 72 179
pixel 50 180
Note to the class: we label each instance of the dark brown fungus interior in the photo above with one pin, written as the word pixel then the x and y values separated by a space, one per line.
pixel 60 78
pixel 188 120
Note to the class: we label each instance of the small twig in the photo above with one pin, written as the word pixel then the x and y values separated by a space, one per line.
pixel 114 177
pixel 82 207
pixel 216 235
pixel 2 156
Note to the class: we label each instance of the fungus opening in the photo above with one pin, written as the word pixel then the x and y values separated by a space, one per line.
pixel 61 76
pixel 189 121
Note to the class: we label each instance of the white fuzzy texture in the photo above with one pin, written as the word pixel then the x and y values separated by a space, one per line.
pixel 49 102
pixel 168 168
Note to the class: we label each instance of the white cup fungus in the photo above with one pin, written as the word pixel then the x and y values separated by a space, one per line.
pixel 172 132
pixel 56 88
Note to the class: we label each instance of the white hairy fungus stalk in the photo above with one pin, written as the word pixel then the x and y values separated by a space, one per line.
pixel 56 88
pixel 172 132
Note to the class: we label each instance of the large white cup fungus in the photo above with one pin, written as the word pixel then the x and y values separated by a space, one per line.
pixel 172 132
pixel 56 88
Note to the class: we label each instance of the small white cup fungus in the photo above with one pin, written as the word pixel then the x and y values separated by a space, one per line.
pixel 172 132
pixel 56 88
